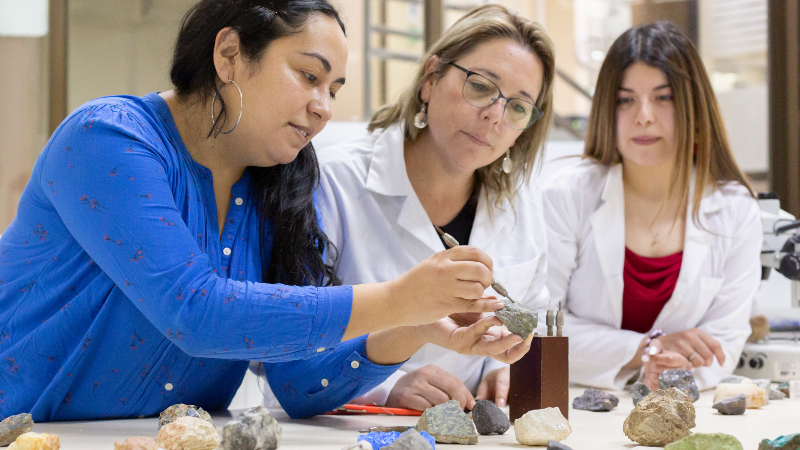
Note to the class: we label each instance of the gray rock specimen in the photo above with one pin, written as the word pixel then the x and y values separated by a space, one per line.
pixel 639 391
pixel 172 413
pixel 776 395
pixel 700 441
pixel 137 443
pixel 732 406
pixel 448 424
pixel 553 445
pixel 540 426
pixel 788 442
pixel 663 417
pixel 410 440
pixel 13 426
pixel 681 379
pixel 760 382
pixel 489 418
pixel 517 319
pixel 784 387
pixel 595 400
pixel 254 429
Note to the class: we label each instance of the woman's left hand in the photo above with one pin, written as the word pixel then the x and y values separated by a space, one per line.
pixel 494 386
pixel 477 334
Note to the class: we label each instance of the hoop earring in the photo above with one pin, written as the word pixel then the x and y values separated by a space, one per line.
pixel 507 163
pixel 241 107
pixel 421 119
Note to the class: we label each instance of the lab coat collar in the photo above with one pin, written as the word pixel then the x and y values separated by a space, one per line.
pixel 387 169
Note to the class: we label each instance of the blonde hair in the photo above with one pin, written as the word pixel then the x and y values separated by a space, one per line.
pixel 700 134
pixel 480 25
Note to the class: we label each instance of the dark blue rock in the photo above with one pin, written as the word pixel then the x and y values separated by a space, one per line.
pixel 732 406
pixel 381 440
pixel 681 379
pixel 553 445
pixel 595 400
pixel 489 418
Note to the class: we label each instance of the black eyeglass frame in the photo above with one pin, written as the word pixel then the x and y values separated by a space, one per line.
pixel 534 116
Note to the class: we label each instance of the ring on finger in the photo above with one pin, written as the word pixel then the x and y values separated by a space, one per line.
pixel 692 355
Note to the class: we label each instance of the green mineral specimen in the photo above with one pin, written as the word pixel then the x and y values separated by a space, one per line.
pixel 700 441
pixel 790 442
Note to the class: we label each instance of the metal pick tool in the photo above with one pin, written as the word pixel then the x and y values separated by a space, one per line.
pixel 452 242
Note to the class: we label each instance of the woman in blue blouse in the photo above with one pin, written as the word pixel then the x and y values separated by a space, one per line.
pixel 162 242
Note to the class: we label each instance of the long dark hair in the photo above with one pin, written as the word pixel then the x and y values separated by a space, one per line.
pixel 284 193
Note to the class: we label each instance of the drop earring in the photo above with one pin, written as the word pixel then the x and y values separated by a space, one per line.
pixel 421 119
pixel 507 164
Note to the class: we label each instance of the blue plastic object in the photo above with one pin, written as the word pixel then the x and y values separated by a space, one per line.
pixel 380 440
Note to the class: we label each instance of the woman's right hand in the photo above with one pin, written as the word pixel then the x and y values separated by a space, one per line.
pixel 695 345
pixel 661 361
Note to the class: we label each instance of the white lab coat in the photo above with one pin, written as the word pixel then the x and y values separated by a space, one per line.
pixel 372 214
pixel 720 272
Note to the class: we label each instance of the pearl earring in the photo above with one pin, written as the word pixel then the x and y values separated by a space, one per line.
pixel 507 164
pixel 421 119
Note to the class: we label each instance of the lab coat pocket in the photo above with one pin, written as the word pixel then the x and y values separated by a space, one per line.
pixel 517 278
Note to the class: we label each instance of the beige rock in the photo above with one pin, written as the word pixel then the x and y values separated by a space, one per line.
pixel 36 441
pixel 538 426
pixel 188 433
pixel 760 328
pixel 663 417
pixel 756 396
pixel 137 443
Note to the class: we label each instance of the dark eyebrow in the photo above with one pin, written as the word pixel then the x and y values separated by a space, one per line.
pixel 663 86
pixel 325 63
pixel 497 77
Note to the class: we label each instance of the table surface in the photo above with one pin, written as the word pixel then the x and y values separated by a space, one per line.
pixel 590 430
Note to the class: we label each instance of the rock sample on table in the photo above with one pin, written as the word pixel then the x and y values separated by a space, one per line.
pixel 489 418
pixel 448 424
pixel 553 445
pixel 789 442
pixel 13 426
pixel 732 406
pixel 661 418
pixel 188 433
pixel 518 319
pixel 679 378
pixel 784 387
pixel 36 441
pixel 254 429
pixel 759 326
pixel 410 440
pixel 639 391
pixel 539 426
pixel 756 396
pixel 776 395
pixel 700 441
pixel 595 400
pixel 379 440
pixel 760 382
pixel 180 410
pixel 137 443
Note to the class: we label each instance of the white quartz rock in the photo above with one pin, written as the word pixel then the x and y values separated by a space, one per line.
pixel 756 396
pixel 541 425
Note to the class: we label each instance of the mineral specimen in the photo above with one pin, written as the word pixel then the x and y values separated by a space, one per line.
pixel 759 326
pixel 553 445
pixel 137 443
pixel 776 395
pixel 382 439
pixel 639 391
pixel 254 429
pixel 756 396
pixel 700 441
pixel 540 426
pixel 188 433
pixel 36 441
pixel 180 410
pixel 410 440
pixel 517 319
pixel 448 424
pixel 489 418
pixel 784 387
pixel 760 382
pixel 595 400
pixel 733 406
pixel 13 426
pixel 681 379
pixel 789 442
pixel 663 417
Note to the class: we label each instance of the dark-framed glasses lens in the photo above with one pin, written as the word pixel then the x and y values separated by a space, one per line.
pixel 479 91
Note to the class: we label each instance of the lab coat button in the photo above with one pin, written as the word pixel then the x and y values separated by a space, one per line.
pixel 226 251
pixel 324 382
pixel 239 201
pixel 354 364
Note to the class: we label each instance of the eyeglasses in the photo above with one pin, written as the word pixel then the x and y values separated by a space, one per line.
pixel 482 92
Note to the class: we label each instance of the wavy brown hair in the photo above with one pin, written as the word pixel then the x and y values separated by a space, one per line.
pixel 480 25
pixel 700 134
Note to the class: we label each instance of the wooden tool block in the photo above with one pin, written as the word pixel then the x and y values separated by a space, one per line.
pixel 540 379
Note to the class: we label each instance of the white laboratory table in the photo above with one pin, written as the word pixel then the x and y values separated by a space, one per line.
pixel 590 430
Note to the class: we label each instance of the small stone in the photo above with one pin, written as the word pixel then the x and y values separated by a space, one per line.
pixel 381 439
pixel 756 396
pixel 595 400
pixel 789 442
pixel 254 429
pixel 760 382
pixel 784 387
pixel 540 426
pixel 639 391
pixel 776 395
pixel 732 406
pixel 489 418
pixel 760 328
pixel 553 445
pixel 188 433
pixel 663 417
pixel 448 424
pixel 360 445
pixel 410 440
pixel 137 443
pixel 681 379
pixel 180 410
pixel 36 441
pixel 13 426
pixel 517 319
pixel 700 441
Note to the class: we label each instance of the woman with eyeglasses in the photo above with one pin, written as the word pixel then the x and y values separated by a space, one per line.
pixel 453 151
pixel 654 238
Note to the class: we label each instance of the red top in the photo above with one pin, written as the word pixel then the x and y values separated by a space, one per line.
pixel 649 283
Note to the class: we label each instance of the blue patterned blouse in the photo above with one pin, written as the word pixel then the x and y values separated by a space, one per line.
pixel 118 297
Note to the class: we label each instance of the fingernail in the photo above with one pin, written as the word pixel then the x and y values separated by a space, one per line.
pixel 653 351
pixel 499 305
pixel 501 402
pixel 645 358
